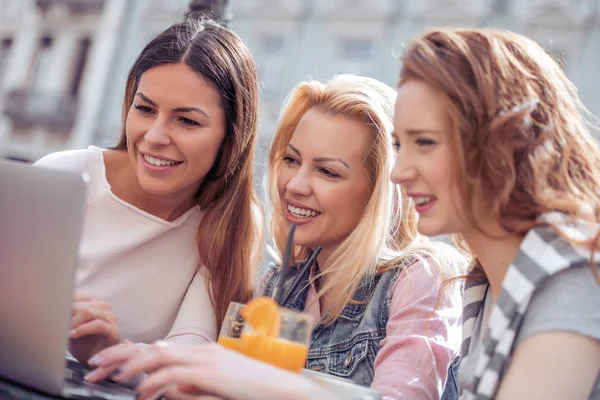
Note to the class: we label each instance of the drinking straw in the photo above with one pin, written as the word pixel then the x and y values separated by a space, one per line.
pixel 285 266
pixel 309 262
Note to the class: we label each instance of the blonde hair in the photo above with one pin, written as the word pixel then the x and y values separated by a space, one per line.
pixel 386 236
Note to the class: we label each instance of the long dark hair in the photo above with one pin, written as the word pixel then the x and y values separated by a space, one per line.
pixel 230 233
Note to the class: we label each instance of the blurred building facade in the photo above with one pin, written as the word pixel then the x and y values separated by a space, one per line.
pixel 63 63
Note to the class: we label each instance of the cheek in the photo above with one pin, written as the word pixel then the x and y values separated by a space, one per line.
pixel 215 142
pixel 347 214
pixel 198 149
pixel 437 175
pixel 283 178
pixel 347 205
pixel 209 146
pixel 360 203
pixel 133 127
pixel 456 205
pixel 446 181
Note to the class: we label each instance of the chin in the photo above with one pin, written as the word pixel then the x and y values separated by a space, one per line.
pixel 428 229
pixel 303 243
pixel 157 190
pixel 300 240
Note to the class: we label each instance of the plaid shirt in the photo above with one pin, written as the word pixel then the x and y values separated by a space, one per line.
pixel 542 254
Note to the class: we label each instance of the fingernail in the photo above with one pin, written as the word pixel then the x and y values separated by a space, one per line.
pixel 72 332
pixel 97 359
pixel 91 375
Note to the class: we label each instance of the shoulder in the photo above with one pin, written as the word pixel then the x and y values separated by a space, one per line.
pixel 70 160
pixel 438 259
pixel 559 240
pixel 566 301
pixel 420 296
pixel 421 280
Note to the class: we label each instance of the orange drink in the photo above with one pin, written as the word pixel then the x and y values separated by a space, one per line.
pixel 229 342
pixel 276 351
pixel 264 331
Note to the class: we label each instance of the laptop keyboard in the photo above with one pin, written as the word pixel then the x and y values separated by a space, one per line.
pixel 77 387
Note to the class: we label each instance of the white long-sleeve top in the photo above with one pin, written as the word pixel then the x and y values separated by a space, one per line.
pixel 146 268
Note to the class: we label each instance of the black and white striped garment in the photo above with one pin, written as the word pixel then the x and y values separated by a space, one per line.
pixel 542 254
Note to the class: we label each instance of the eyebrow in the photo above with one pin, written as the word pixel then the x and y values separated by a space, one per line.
pixel 179 109
pixel 412 132
pixel 322 159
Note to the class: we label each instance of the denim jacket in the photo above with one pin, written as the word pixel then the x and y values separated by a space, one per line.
pixel 347 348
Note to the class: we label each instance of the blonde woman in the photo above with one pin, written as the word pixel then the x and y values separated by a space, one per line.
pixel 381 317
pixel 375 289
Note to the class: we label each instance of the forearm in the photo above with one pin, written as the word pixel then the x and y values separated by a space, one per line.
pixel 188 337
pixel 196 322
pixel 298 387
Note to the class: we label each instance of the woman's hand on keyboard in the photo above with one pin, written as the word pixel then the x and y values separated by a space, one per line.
pixel 108 362
pixel 94 327
pixel 177 370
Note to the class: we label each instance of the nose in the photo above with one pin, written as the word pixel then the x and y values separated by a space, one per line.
pixel 404 170
pixel 157 134
pixel 299 184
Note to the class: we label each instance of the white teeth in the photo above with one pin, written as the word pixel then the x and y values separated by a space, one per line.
pixel 157 162
pixel 423 200
pixel 302 212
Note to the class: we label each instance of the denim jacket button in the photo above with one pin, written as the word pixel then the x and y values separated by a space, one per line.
pixel 348 360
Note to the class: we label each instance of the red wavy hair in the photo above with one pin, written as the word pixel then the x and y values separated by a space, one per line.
pixel 520 133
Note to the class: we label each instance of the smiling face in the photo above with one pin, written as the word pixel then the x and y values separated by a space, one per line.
pixel 174 128
pixel 425 163
pixel 323 183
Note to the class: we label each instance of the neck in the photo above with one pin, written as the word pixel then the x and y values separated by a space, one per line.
pixel 323 257
pixel 168 208
pixel 494 253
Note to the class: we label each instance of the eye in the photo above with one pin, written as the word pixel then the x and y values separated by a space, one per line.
pixel 188 122
pixel 424 142
pixel 143 109
pixel 396 145
pixel 329 173
pixel 289 160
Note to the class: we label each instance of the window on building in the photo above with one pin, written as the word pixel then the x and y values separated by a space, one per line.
pixel 41 63
pixel 5 48
pixel 79 66
pixel 355 49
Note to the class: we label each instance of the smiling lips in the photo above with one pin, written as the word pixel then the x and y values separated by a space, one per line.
pixel 302 212
pixel 422 200
pixel 159 163
pixel 423 203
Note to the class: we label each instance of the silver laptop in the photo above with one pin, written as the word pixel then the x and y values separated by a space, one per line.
pixel 41 213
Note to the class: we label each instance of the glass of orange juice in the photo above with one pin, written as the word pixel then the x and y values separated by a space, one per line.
pixel 286 346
